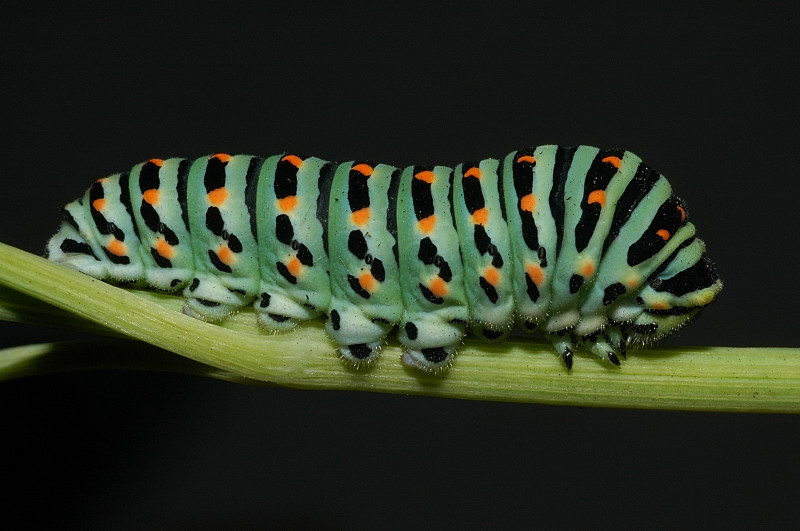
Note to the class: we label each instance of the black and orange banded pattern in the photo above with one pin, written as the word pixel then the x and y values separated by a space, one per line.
pixel 476 206
pixel 115 249
pixel 360 212
pixel 436 289
pixel 217 193
pixel 603 169
pixel 286 194
pixel 150 186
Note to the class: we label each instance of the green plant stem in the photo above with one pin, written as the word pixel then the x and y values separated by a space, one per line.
pixel 519 370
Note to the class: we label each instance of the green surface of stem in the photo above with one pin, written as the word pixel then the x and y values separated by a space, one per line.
pixel 518 370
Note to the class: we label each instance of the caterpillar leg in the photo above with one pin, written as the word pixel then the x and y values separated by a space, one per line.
pixel 564 346
pixel 609 344
pixel 209 300
pixel 359 338
pixel 208 310
pixel 489 331
pixel 603 349
pixel 278 313
pixel 430 345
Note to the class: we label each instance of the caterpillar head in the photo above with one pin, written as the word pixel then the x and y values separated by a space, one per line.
pixel 670 301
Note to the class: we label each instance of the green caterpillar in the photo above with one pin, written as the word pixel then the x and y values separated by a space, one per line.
pixel 589 248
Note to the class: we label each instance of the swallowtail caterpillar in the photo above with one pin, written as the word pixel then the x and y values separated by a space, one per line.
pixel 588 247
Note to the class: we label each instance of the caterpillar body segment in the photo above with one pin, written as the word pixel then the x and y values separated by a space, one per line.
pixel 291 212
pixel 365 277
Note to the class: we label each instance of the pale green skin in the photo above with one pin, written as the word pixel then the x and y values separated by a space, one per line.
pixel 363 321
pixel 183 260
pixel 440 325
pixel 484 314
pixel 323 288
pixel 215 285
pixel 311 295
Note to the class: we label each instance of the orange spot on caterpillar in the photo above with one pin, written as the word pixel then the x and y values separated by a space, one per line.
pixel 116 247
pixel 536 273
pixel 225 255
pixel 294 160
pixel 294 266
pixel 363 169
pixel 438 287
pixel 426 225
pixel 682 211
pixel 527 158
pixel 222 157
pixel 151 196
pixel 368 282
pixel 164 249
pixel 473 172
pixel 217 196
pixel 99 204
pixel 597 196
pixel 528 203
pixel 287 204
pixel 492 276
pixel 663 233
pixel 360 217
pixel 588 268
pixel 426 176
pixel 157 162
pixel 614 161
pixel 660 305
pixel 480 216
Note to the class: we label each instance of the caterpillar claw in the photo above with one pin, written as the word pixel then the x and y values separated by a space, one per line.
pixel 567 356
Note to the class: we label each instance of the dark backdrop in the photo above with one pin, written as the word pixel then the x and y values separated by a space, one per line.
pixel 706 95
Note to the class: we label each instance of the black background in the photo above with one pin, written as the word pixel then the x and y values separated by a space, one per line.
pixel 707 95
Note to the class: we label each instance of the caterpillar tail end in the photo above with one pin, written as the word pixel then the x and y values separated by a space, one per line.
pixel 69 247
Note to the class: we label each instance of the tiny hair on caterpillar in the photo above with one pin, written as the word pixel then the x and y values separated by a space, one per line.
pixel 588 248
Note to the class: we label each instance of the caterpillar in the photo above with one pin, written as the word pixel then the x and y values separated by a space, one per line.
pixel 587 247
